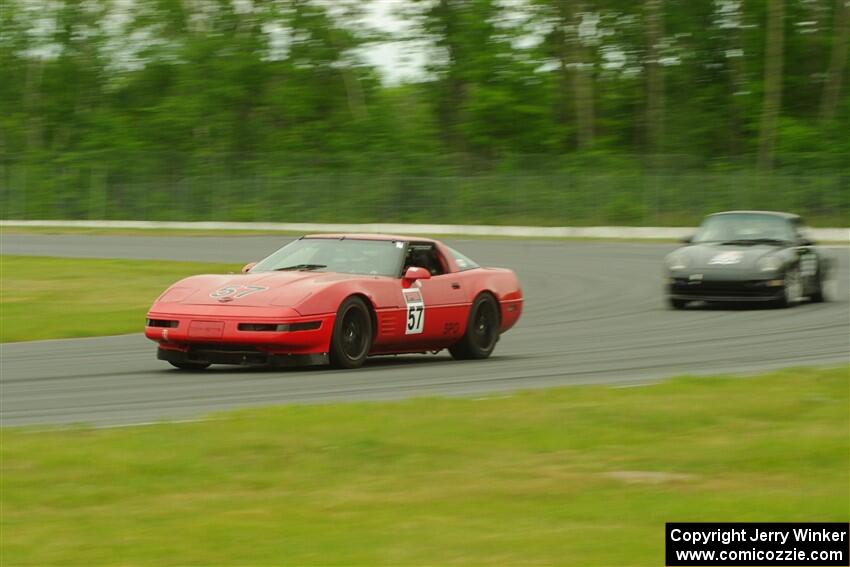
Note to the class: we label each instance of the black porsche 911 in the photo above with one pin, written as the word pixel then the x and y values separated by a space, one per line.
pixel 743 256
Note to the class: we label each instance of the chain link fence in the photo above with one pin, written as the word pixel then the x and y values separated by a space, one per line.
pixel 677 193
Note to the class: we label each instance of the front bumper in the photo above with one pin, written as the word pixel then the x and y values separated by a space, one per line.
pixel 242 355
pixel 743 290
pixel 238 336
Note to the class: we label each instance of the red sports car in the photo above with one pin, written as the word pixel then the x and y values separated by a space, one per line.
pixel 337 299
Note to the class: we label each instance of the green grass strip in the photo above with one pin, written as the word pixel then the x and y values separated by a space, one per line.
pixel 51 298
pixel 571 476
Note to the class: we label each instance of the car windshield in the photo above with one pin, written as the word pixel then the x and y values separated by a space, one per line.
pixel 744 227
pixel 463 262
pixel 343 255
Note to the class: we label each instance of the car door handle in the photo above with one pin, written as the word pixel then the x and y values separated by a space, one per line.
pixel 455 285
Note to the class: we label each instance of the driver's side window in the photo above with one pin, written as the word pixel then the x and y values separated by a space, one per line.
pixel 424 256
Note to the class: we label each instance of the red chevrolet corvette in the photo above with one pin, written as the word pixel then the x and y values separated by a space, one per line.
pixel 337 299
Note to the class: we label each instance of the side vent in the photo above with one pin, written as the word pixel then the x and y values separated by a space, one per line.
pixel 386 324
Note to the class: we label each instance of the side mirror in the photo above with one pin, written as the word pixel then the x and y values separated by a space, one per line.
pixel 687 239
pixel 247 267
pixel 414 273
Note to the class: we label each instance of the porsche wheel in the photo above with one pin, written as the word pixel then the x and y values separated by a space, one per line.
pixel 825 289
pixel 189 365
pixel 482 330
pixel 792 288
pixel 352 334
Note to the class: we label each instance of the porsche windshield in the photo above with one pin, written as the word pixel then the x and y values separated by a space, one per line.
pixel 744 228
pixel 347 256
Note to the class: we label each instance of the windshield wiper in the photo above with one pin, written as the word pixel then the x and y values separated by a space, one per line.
pixel 301 267
pixel 756 241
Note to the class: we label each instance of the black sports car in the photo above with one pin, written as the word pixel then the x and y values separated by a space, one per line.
pixel 748 256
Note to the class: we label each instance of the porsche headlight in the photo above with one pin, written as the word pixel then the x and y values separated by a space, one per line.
pixel 677 261
pixel 769 264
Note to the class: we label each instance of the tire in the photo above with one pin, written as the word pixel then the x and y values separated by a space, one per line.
pixel 189 365
pixel 821 293
pixel 482 330
pixel 792 290
pixel 677 303
pixel 352 334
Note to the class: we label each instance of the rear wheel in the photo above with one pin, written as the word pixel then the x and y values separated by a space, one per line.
pixel 482 330
pixel 189 365
pixel 352 334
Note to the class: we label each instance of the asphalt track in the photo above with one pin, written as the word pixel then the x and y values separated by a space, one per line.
pixel 594 314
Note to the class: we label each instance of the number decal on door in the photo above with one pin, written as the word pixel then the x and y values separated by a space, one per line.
pixel 415 311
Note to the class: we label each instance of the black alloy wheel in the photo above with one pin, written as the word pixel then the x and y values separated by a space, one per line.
pixel 352 334
pixel 482 330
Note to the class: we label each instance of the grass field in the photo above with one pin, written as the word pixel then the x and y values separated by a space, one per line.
pixel 48 298
pixel 571 476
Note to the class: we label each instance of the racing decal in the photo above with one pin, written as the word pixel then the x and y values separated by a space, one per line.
pixel 808 265
pixel 452 328
pixel 727 258
pixel 230 293
pixel 415 311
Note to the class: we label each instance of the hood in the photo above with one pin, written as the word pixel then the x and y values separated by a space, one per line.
pixel 714 255
pixel 280 289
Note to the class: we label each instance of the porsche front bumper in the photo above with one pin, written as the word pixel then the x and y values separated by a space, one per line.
pixel 742 290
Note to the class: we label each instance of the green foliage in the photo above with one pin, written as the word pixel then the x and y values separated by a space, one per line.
pixel 622 210
pixel 162 109
pixel 574 476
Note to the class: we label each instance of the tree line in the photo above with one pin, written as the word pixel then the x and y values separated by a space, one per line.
pixel 104 105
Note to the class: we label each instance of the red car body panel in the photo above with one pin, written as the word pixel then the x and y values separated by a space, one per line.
pixel 209 309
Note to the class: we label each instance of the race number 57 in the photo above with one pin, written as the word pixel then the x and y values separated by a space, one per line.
pixel 415 311
pixel 414 319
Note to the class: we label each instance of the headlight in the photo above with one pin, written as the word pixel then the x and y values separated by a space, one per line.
pixel 176 294
pixel 769 264
pixel 677 261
